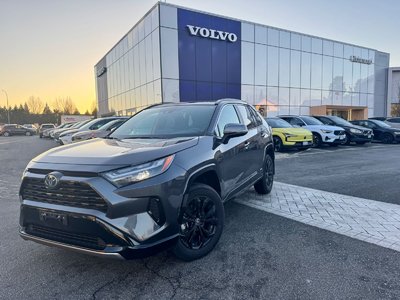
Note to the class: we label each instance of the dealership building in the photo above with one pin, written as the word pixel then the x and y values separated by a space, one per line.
pixel 175 54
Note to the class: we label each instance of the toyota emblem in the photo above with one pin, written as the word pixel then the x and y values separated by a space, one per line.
pixel 52 180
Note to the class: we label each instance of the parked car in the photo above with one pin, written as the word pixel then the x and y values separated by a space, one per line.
pixel 159 180
pixel 66 137
pixel 62 130
pixel 382 131
pixel 15 129
pixel 394 122
pixel 64 126
pixel 30 126
pixel 44 127
pixel 103 131
pixel 322 134
pixel 287 136
pixel 354 133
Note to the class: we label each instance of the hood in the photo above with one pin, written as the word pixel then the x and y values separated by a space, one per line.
pixel 357 127
pixel 297 131
pixel 323 127
pixel 115 152
pixel 70 131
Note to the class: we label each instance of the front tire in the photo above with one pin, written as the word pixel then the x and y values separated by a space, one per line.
pixel 278 145
pixel 264 185
pixel 317 140
pixel 201 225
pixel 388 139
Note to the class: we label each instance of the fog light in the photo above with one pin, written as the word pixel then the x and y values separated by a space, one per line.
pixel 155 210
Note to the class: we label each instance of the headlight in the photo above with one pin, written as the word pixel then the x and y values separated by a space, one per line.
pixel 397 132
pixel 125 176
pixel 352 130
pixel 289 135
pixel 326 131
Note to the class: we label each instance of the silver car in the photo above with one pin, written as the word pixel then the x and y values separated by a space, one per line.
pixel 102 132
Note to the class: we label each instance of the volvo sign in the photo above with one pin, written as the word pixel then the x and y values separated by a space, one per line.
pixel 212 33
pixel 360 60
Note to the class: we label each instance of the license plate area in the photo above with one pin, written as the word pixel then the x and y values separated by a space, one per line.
pixel 305 143
pixel 49 217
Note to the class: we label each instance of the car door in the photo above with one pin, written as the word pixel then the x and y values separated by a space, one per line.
pixel 255 150
pixel 378 132
pixel 231 157
pixel 19 130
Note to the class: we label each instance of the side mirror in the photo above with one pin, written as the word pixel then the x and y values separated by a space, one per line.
pixel 233 130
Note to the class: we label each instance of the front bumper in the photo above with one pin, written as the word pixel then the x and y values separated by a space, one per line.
pixel 126 228
pixel 363 138
pixel 332 138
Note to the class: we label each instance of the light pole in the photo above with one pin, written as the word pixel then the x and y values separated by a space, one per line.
pixel 8 109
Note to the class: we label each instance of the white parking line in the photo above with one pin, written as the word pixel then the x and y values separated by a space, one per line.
pixel 363 219
pixel 12 141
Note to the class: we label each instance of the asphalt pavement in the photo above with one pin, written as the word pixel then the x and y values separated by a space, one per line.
pixel 260 256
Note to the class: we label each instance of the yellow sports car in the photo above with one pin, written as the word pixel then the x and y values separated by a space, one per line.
pixel 287 136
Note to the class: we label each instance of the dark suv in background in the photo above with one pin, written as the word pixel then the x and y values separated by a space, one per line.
pixel 354 133
pixel 383 132
pixel 14 129
pixel 160 179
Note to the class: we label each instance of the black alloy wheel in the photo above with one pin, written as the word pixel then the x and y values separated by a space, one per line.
pixel 317 140
pixel 387 138
pixel 201 223
pixel 278 145
pixel 264 185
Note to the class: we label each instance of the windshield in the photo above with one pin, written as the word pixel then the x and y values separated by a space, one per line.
pixel 278 123
pixel 340 121
pixel 111 124
pixel 311 121
pixel 381 123
pixel 167 121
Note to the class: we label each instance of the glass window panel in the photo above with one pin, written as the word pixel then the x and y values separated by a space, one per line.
pixel 147 25
pixel 338 49
pixel 295 41
pixel 304 110
pixel 136 65
pixel 260 34
pixel 247 32
pixel 338 74
pixel 305 70
pixel 363 100
pixel 135 31
pixel 170 90
pixel 143 95
pixel 327 71
pixel 273 37
pixel 370 99
pixel 371 55
pixel 169 58
pixel 131 74
pixel 371 78
pixel 149 59
pixel 364 78
pixel 150 94
pixel 348 51
pixel 295 67
pixel 356 77
pixel 126 72
pixel 364 53
pixel 141 30
pixel 247 63
pixel 272 96
pixel 316 71
pixel 283 110
pixel 347 75
pixel 328 47
pixel 154 18
pixel 326 98
pixel 156 54
pixel 284 96
pixel 142 62
pixel 337 98
pixel 355 99
pixel 248 93
pixel 305 97
pixel 306 43
pixel 284 67
pixel 294 110
pixel 316 97
pixel 284 39
pixel 260 95
pixel 273 66
pixel 346 99
pixel 261 65
pixel 357 51
pixel 157 91
pixel 295 97
pixel 316 45
pixel 130 37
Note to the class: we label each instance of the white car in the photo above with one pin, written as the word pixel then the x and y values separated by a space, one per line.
pixel 322 134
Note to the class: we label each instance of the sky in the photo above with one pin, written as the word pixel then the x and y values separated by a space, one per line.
pixel 48 48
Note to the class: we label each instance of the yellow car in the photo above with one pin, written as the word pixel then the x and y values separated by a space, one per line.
pixel 287 136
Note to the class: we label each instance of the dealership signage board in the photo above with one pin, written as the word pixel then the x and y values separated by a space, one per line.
pixel 360 60
pixel 212 33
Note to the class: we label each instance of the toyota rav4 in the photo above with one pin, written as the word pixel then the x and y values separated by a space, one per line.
pixel 159 180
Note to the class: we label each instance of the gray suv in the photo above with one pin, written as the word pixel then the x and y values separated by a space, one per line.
pixel 159 180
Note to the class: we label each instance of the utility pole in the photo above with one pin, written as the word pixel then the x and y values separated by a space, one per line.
pixel 8 109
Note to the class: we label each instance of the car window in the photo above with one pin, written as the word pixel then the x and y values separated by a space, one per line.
pixel 115 125
pixel 100 123
pixel 326 121
pixel 371 125
pixel 228 115
pixel 296 122
pixel 256 116
pixel 247 116
pixel 394 120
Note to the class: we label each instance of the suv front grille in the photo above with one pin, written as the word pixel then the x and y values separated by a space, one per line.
pixel 338 132
pixel 76 239
pixel 68 193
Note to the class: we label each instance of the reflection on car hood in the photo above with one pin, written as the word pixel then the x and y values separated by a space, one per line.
pixel 115 152
pixel 354 126
pixel 323 127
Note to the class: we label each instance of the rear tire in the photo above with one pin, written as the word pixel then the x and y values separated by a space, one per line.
pixel 6 134
pixel 202 223
pixel 387 138
pixel 264 185
pixel 28 133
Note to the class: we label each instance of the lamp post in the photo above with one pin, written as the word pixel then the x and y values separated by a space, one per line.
pixel 8 109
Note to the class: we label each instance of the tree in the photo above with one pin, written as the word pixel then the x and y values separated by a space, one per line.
pixel 35 105
pixel 87 113
pixel 93 109
pixel 47 110
pixel 64 106
pixel 395 111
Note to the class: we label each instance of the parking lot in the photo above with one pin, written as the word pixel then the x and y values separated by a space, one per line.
pixel 260 255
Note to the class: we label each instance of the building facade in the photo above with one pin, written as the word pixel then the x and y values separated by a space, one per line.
pixel 177 54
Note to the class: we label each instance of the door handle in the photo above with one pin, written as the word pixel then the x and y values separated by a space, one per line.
pixel 246 145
